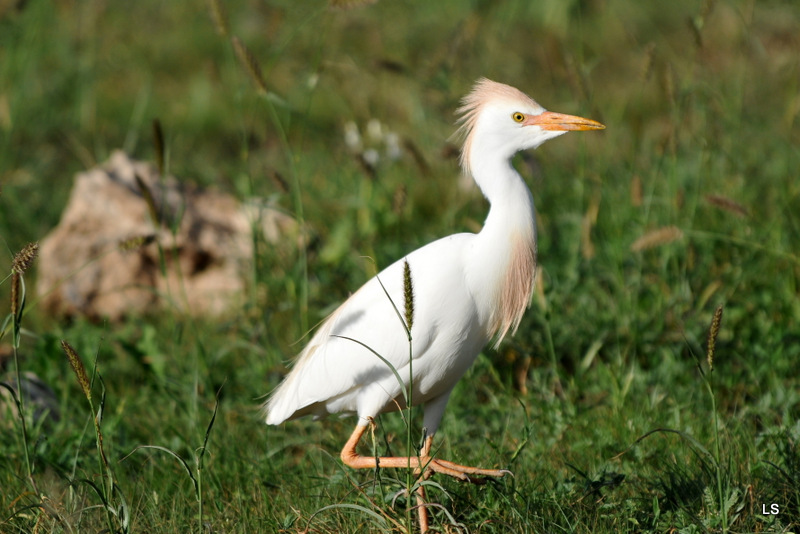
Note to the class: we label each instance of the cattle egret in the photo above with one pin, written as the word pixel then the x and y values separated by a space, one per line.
pixel 469 289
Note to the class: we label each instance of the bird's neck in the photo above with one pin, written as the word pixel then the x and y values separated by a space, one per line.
pixel 504 255
pixel 511 203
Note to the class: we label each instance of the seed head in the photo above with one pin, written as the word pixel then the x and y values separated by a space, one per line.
pixel 21 263
pixel 147 194
pixel 135 242
pixel 219 17
pixel 727 204
pixel 24 258
pixel 659 236
pixel 349 4
pixel 77 366
pixel 158 145
pixel 408 294
pixel 280 181
pixel 712 336
pixel 250 64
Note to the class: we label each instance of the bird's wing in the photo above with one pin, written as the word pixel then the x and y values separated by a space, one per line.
pixel 340 360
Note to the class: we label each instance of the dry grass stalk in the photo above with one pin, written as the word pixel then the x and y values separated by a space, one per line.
pixel 219 17
pixel 727 204
pixel 538 287
pixel 280 181
pixel 657 237
pixel 250 64
pixel 649 61
pixel 697 23
pixel 636 191
pixel 521 373
pixel 15 291
pixel 399 199
pixel 668 84
pixel 587 223
pixel 419 157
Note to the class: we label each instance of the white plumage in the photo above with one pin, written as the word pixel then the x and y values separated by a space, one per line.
pixel 468 289
pixel 334 375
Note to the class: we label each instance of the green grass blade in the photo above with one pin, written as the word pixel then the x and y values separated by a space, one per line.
pixel 384 360
pixel 384 524
pixel 696 445
pixel 172 453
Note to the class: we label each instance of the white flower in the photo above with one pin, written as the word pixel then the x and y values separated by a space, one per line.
pixel 352 138
pixel 393 149
pixel 374 131
pixel 371 156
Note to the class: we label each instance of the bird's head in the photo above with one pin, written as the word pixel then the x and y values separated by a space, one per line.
pixel 499 120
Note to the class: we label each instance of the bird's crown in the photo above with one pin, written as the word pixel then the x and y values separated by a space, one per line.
pixel 489 94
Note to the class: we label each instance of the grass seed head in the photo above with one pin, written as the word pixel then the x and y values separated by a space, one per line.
pixel 219 17
pixel 712 336
pixel 77 366
pixel 135 242
pixel 158 144
pixel 21 263
pixel 350 4
pixel 727 204
pixel 280 181
pixel 24 258
pixel 250 64
pixel 654 238
pixel 147 194
pixel 408 294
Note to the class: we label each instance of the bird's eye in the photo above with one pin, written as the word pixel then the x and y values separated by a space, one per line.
pixel 518 117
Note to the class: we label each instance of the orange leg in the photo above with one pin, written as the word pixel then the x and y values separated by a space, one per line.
pixel 423 463
pixel 418 463
pixel 422 510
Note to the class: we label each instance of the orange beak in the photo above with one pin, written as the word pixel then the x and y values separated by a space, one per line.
pixel 560 122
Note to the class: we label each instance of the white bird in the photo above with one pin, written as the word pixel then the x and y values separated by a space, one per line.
pixel 469 289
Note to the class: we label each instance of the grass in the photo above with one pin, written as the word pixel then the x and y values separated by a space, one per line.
pixel 698 167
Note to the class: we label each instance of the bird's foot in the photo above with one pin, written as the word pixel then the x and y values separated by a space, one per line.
pixel 473 475
pixel 424 463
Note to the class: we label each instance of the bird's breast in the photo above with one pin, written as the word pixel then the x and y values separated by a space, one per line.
pixel 501 277
pixel 514 286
